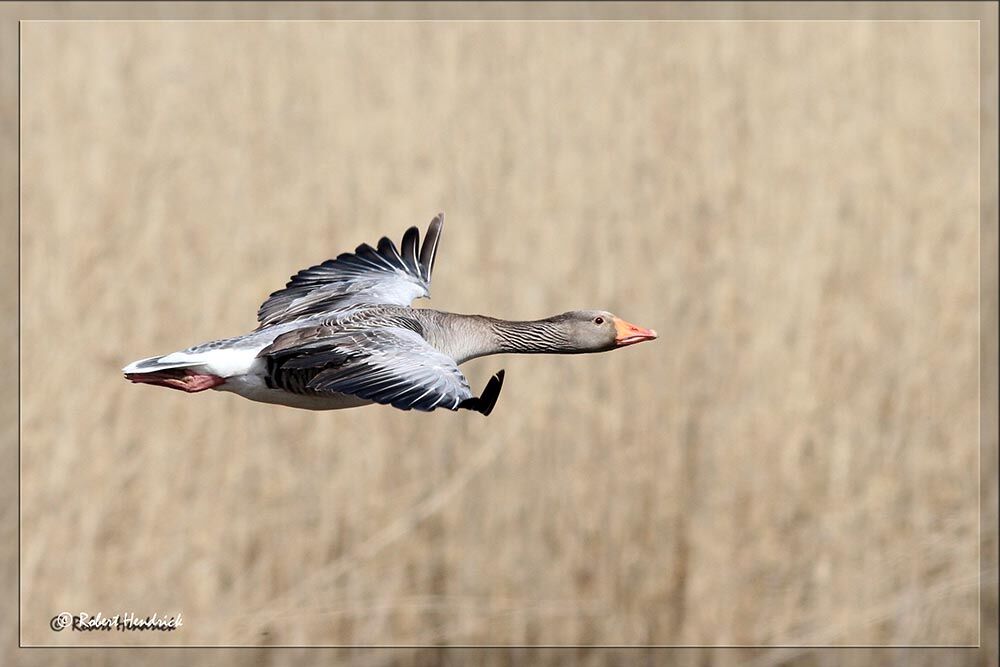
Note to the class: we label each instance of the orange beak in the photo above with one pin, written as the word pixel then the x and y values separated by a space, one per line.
pixel 630 334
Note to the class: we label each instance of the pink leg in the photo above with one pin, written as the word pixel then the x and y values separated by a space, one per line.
pixel 183 379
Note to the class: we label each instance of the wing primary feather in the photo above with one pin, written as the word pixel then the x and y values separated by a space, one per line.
pixel 387 249
pixel 369 254
pixel 428 251
pixel 411 250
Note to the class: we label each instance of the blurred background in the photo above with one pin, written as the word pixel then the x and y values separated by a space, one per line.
pixel 793 206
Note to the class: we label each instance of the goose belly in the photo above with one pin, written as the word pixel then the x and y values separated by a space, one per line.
pixel 253 386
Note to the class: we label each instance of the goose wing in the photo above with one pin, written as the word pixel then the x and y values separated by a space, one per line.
pixel 390 365
pixel 368 275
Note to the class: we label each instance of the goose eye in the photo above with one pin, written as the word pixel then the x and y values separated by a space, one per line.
pixel 598 320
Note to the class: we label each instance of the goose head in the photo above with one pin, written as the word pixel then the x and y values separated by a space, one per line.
pixel 599 330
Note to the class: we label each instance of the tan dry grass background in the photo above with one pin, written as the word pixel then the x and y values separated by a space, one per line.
pixel 792 205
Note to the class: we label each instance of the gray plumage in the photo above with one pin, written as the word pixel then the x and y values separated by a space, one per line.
pixel 342 333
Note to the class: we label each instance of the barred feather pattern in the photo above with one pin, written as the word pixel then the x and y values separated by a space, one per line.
pixel 534 337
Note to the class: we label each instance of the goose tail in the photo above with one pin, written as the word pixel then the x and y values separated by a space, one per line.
pixel 178 370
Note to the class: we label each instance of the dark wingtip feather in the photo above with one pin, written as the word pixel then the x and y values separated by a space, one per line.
pixel 387 249
pixel 369 254
pixel 428 250
pixel 410 249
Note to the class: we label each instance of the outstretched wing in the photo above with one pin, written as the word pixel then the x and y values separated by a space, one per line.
pixel 368 275
pixel 389 365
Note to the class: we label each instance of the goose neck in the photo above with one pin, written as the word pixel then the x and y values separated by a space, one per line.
pixel 529 337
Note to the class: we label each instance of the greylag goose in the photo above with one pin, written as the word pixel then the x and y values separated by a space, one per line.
pixel 343 334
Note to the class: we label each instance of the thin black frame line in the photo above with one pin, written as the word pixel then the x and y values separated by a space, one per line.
pixel 469 646
pixel 19 604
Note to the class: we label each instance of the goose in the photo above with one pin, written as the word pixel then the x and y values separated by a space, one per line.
pixel 343 334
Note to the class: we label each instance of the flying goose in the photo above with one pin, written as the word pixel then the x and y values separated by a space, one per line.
pixel 343 334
